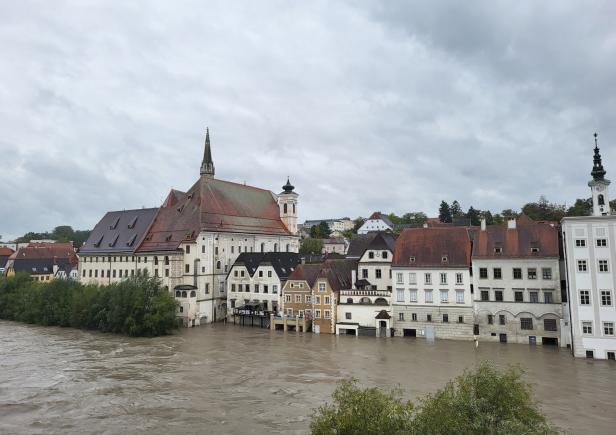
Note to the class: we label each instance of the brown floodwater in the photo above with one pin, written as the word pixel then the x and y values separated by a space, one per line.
pixel 229 379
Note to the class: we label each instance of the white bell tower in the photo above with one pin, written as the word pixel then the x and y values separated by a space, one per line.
pixel 287 201
pixel 599 186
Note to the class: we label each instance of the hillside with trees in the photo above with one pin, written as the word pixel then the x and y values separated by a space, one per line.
pixel 62 233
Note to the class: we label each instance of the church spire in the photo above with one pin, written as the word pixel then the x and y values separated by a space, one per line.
pixel 598 173
pixel 207 165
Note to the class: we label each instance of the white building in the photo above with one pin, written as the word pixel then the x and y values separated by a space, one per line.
pixel 365 308
pixel 432 284
pixel 335 246
pixel 376 222
pixel 590 255
pixel 191 241
pixel 258 278
pixel 517 286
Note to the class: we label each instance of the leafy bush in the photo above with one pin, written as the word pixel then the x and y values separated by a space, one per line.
pixel 484 401
pixel 137 306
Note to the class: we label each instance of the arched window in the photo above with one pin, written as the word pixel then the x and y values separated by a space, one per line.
pixel 349 300
pixel 285 208
pixel 601 200
pixel 193 294
pixel 262 247
pixel 184 294
pixel 365 300
pixel 178 294
pixel 380 301
pixel 275 247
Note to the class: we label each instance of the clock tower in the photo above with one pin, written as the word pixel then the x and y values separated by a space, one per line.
pixel 599 186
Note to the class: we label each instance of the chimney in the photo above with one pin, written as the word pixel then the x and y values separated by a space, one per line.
pixel 511 224
pixel 483 224
pixel 425 225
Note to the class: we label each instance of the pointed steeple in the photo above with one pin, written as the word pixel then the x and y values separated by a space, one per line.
pixel 598 173
pixel 288 188
pixel 207 165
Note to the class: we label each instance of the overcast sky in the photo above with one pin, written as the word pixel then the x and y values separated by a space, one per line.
pixel 368 106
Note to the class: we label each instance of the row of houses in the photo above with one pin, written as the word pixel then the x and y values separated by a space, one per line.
pixel 43 260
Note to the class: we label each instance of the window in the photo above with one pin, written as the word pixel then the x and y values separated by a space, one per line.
pixel 519 296
pixel 606 298
pixel 308 299
pixel 414 317
pixel 265 289
pixel 534 249
pixel 260 274
pixel 188 249
pixel 401 317
pixel 548 297
pixel 235 273
pixel 498 295
pixel 187 268
pixel 532 273
pixel 498 273
pixel 298 299
pixel 317 314
pixel 256 288
pixel 517 273
pixel 399 295
pixel 203 252
pixel 428 296
pixel 445 318
pixel 483 272
pixel 328 300
pixel 317 300
pixel 287 298
pixel 459 278
pixel 526 323
pixel 371 255
pixel 275 289
pixel 601 243
pixel 608 328
pixel 549 325
pixel 412 278
pixel 429 318
pixel 364 273
pixel 490 319
pixel 485 295
pixel 378 273
pixel 444 296
pixel 384 255
pixel 321 286
pixel 413 295
pixel 428 278
pixel 269 273
pixel 587 328
pixel 327 314
pixel 399 278
pixel 603 266
pixel 443 278
pixel 546 273
pixel 232 288
pixel 167 272
pixel 580 243
pixel 584 297
pixel 242 274
pixel 582 266
pixel 347 316
pixel 218 265
pixel 534 297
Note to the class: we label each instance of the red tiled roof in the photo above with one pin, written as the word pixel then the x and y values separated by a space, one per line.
pixel 213 205
pixel 35 251
pixel 517 243
pixel 338 273
pixel 5 252
pixel 428 246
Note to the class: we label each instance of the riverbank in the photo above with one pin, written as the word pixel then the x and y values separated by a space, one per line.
pixel 230 379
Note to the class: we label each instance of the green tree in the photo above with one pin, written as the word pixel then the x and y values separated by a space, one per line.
pixel 414 218
pixel 581 207
pixel 363 412
pixel 456 210
pixel 543 210
pixel 487 215
pixel 485 401
pixel 444 213
pixel 312 246
pixel 509 214
pixel 473 215
pixel 358 223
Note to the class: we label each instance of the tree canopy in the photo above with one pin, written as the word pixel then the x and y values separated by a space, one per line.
pixel 312 246
pixel 62 233
pixel 321 231
pixel 444 213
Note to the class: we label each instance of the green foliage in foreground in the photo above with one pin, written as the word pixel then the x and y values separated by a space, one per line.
pixel 137 306
pixel 484 401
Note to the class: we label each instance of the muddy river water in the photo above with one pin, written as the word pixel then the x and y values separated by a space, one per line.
pixel 229 379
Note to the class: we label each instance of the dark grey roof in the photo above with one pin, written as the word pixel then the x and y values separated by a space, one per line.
pixel 375 240
pixel 283 262
pixel 40 265
pixel 119 231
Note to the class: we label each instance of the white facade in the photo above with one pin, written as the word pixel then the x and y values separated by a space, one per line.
pixel 432 299
pixel 263 287
pixel 590 253
pixel 375 267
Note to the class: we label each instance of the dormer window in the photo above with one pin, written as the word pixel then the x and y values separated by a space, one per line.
pixel 181 208
pixel 412 259
pixel 131 241
pixel 115 223
pixel 114 241
pixel 443 259
pixel 168 238
pixel 498 250
pixel 534 249
pixel 99 241
pixel 133 223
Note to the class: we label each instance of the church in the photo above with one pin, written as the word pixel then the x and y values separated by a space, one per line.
pixel 192 239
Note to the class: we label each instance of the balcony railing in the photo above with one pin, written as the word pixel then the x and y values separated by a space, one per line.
pixel 384 293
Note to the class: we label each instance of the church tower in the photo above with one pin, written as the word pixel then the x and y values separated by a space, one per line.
pixel 599 186
pixel 207 165
pixel 287 201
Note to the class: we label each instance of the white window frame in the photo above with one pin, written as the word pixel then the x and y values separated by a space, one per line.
pixel 444 300
pixel 460 300
pixel 586 324
pixel 413 295
pixel 429 300
pixel 459 278
pixel 399 295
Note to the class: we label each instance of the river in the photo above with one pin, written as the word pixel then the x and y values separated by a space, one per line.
pixel 229 379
